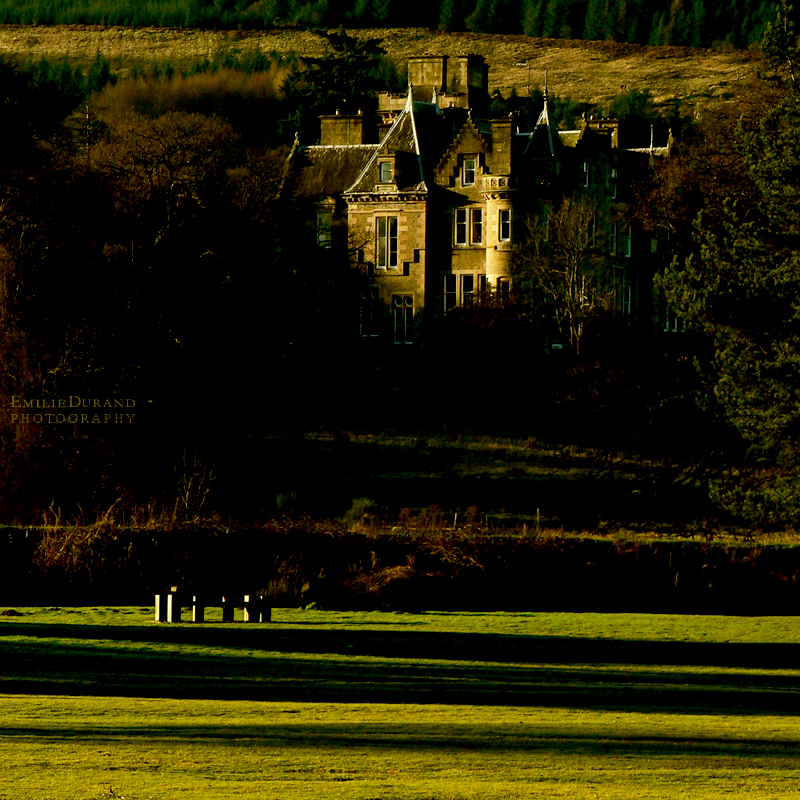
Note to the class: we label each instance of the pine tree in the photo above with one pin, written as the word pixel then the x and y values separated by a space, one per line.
pixel 622 20
pixel 504 16
pixel 595 26
pixel 100 74
pixel 743 293
pixel 658 31
pixel 382 11
pixel 612 14
pixel 532 17
pixel 678 25
pixel 732 21
pixel 554 15
pixel 274 10
pixel 447 15
pixel 699 15
pixel 480 20
pixel 362 12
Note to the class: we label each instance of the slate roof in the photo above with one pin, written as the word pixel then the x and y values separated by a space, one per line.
pixel 328 170
pixel 402 142
pixel 544 138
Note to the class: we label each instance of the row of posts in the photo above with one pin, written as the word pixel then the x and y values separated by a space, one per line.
pixel 168 607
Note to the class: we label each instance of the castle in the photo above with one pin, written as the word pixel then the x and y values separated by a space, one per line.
pixel 428 196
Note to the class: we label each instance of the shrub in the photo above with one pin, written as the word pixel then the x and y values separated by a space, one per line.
pixel 361 514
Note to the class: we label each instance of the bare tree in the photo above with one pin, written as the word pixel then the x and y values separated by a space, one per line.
pixel 561 268
pixel 166 168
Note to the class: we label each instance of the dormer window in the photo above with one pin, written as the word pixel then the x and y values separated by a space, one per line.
pixel 469 170
pixel 386 170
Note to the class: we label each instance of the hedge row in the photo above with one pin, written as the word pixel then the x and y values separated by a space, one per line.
pixel 300 562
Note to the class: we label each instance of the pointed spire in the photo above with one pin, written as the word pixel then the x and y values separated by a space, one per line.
pixel 410 98
pixel 544 122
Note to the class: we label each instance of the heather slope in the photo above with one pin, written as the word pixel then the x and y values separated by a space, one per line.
pixel 585 71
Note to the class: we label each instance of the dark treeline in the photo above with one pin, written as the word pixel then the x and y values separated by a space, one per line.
pixel 693 23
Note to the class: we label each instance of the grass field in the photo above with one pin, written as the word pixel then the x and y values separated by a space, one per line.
pixel 103 703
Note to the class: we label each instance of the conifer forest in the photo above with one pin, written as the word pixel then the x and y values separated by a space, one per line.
pixel 690 23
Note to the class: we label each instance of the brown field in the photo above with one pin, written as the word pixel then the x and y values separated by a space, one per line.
pixel 584 71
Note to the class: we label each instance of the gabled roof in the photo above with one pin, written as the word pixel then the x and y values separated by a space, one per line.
pixel 403 142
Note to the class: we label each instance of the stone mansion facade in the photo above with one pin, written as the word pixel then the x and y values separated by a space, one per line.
pixel 428 195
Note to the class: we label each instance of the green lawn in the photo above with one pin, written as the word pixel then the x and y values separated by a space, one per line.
pixel 440 706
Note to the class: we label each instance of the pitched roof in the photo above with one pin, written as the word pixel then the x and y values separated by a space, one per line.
pixel 542 143
pixel 327 170
pixel 403 142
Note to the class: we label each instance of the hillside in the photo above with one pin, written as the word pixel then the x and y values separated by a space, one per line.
pixel 584 71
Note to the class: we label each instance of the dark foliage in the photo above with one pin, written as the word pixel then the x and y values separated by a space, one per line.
pixel 739 288
pixel 692 23
pixel 300 562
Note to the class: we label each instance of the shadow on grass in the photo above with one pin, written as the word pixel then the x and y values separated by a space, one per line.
pixel 283 663
pixel 520 739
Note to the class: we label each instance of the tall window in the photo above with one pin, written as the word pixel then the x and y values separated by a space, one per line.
pixel 450 291
pixel 386 242
pixel 476 225
pixel 625 243
pixel 370 312
pixel 469 170
pixel 463 289
pixel 460 226
pixel 504 225
pixel 672 322
pixel 386 171
pixel 468 226
pixel 324 227
pixel 467 289
pixel 591 233
pixel 620 241
pixel 627 299
pixel 403 317
pixel 587 173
